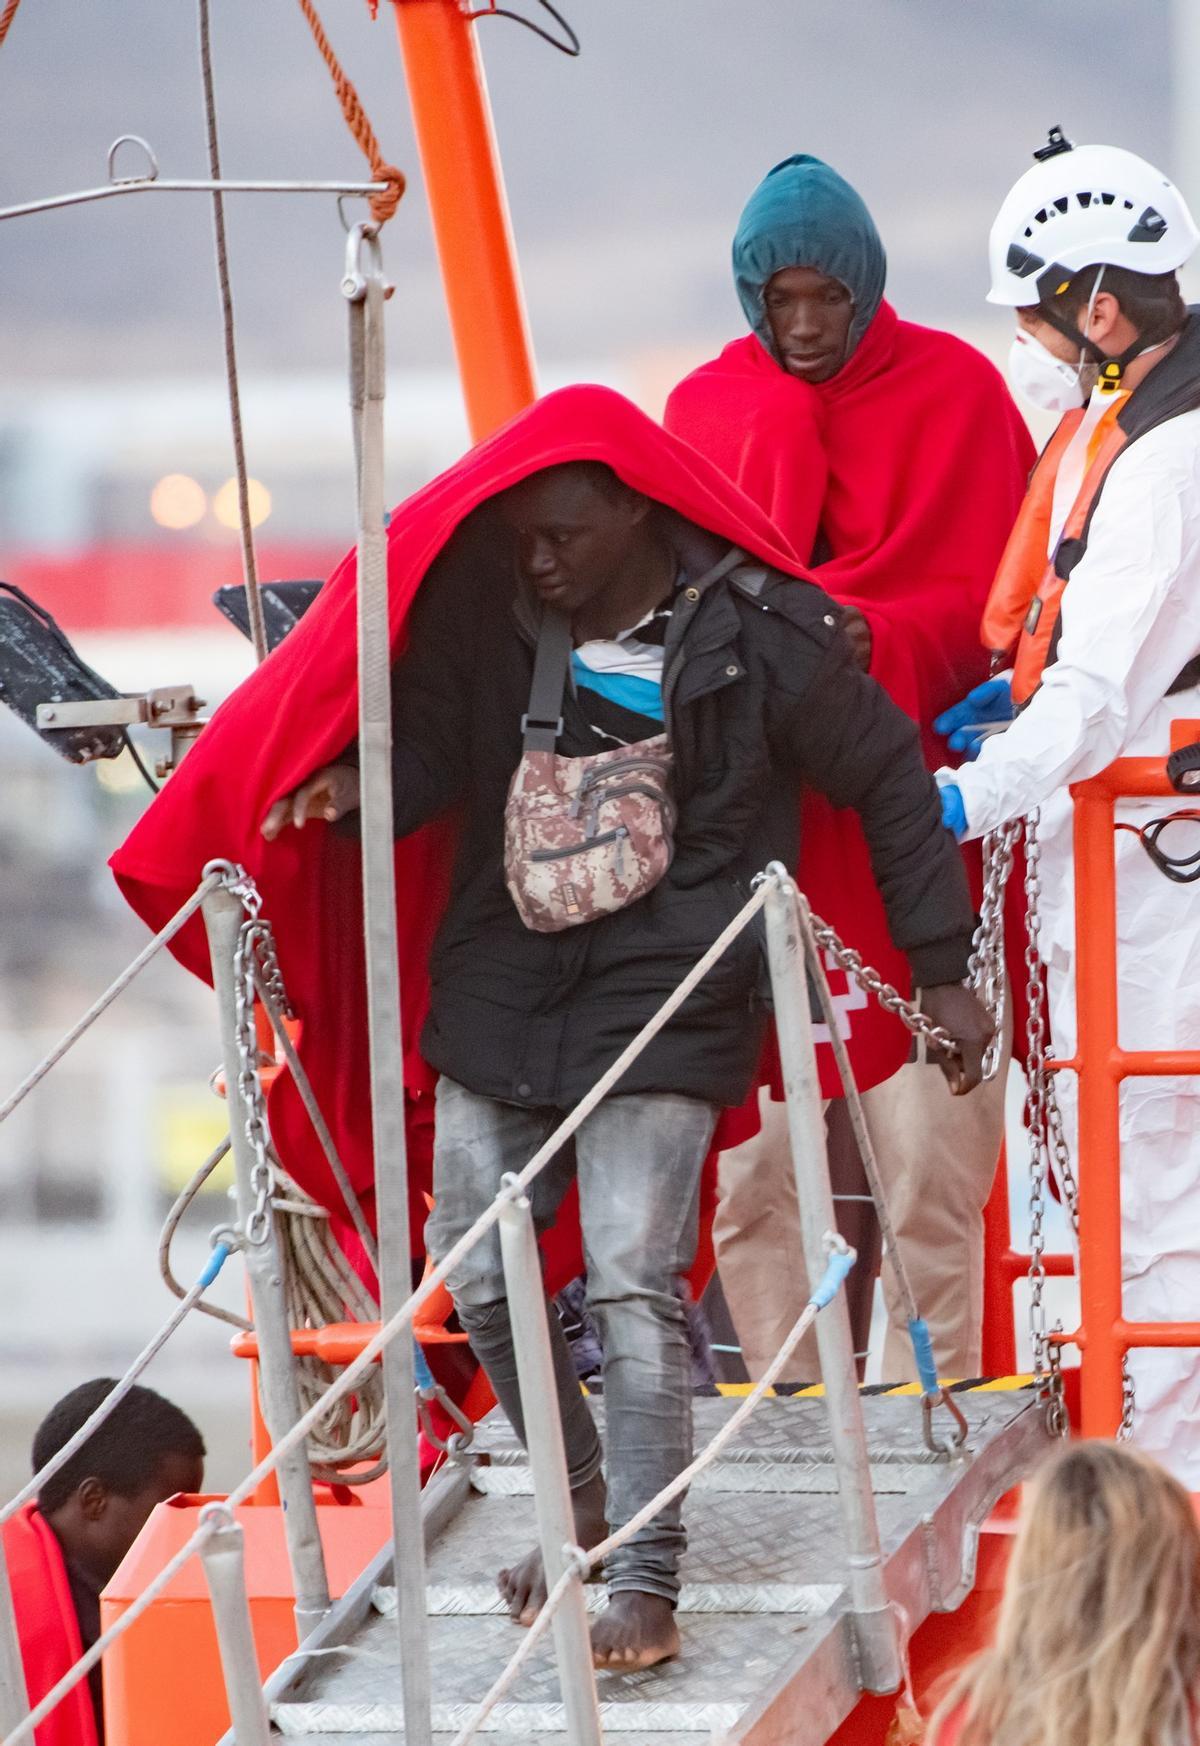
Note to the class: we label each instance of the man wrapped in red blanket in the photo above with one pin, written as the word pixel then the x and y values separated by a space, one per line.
pixel 893 460
pixel 666 625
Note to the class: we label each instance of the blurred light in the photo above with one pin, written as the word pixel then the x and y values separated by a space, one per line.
pixel 118 775
pixel 177 501
pixel 225 503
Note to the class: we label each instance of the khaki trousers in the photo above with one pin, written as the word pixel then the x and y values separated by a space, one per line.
pixel 937 1156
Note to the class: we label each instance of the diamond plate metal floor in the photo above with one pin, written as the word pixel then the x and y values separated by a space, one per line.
pixel 764 1535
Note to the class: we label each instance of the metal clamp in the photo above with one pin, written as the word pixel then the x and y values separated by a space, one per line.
pixel 364 260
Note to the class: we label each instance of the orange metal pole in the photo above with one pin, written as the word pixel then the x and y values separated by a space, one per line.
pixel 1099 1105
pixel 999 1348
pixel 467 202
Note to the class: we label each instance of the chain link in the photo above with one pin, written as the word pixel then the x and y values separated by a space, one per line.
pixel 986 969
pixel 889 998
pixel 1036 1116
pixel 1128 1403
pixel 247 956
pixel 1058 1422
pixel 272 975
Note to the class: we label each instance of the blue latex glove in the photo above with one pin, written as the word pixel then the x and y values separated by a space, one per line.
pixel 970 722
pixel 954 813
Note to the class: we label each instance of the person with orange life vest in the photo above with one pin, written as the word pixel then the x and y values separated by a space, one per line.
pixel 1097 602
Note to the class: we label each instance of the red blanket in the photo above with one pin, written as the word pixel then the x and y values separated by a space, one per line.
pixel 47 1628
pixel 907 469
pixel 299 710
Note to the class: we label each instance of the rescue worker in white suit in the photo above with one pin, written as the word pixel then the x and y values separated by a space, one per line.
pixel 1098 602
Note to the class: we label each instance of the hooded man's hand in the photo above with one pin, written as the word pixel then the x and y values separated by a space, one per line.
pixel 962 1014
pixel 329 794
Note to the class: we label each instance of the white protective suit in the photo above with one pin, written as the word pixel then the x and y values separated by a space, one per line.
pixel 1130 621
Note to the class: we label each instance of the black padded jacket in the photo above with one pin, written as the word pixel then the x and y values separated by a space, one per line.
pixel 762 696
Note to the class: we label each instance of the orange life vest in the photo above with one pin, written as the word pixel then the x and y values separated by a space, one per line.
pixel 1026 597
pixel 47 1627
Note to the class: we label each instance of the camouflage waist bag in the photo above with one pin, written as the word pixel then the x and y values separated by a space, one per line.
pixel 582 836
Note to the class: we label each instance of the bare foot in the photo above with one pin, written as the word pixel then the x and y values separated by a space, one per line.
pixel 635 1630
pixel 524 1586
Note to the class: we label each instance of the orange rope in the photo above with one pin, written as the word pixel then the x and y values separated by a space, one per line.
pixel 6 18
pixel 382 205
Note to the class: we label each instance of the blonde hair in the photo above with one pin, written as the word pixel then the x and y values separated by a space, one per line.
pixel 1098 1639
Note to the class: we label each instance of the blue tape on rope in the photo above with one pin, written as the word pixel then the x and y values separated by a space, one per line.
pixel 216 1261
pixel 423 1373
pixel 836 1272
pixel 922 1345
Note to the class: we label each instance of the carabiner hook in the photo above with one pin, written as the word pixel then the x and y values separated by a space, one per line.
pixel 459 1440
pixel 958 1440
pixel 364 260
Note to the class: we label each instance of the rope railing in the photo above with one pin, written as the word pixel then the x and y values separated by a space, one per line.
pixel 403 1318
pixel 220 1254
pixel 582 1560
pixel 111 993
pixel 775 888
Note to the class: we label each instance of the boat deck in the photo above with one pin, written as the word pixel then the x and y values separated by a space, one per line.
pixel 768 1650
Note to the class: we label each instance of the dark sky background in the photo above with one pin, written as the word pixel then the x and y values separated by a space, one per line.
pixel 626 169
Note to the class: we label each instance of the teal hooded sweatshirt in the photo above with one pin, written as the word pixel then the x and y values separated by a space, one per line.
pixel 803 214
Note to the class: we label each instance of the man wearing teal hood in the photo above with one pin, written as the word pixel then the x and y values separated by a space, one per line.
pixel 893 460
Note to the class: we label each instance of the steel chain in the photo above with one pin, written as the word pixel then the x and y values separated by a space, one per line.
pixel 1128 1403
pixel 889 998
pixel 1058 1422
pixel 1064 1171
pixel 268 960
pixel 986 968
pixel 1036 1120
pixel 247 956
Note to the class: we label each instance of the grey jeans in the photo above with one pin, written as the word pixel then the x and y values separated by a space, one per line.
pixel 639 1159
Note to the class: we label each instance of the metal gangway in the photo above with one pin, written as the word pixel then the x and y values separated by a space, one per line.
pixel 825 1527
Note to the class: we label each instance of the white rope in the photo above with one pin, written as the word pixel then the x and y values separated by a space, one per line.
pixel 308 1098
pixel 709 1453
pixel 111 1401
pixel 110 994
pixel 321 1287
pixel 505 1680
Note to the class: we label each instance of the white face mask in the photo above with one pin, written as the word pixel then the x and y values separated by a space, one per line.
pixel 1046 381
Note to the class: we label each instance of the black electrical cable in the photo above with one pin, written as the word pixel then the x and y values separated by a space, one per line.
pixel 1181 869
pixel 151 784
pixel 570 47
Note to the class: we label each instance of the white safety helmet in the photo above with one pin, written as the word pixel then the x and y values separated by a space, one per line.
pixel 1080 207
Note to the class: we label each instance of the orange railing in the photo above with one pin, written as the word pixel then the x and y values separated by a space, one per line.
pixel 1002 1267
pixel 1104 1335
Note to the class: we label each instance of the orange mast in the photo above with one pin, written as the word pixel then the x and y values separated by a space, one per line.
pixel 471 224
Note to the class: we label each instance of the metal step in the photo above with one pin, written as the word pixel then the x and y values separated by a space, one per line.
pixel 774 1666
pixel 484 1601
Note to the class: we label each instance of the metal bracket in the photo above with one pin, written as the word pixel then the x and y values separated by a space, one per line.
pixel 174 707
pixel 166 706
